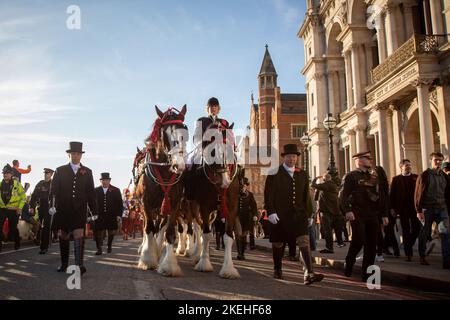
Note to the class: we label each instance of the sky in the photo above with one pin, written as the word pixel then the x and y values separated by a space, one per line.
pixel 99 84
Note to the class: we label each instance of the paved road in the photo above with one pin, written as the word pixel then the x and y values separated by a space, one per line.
pixel 26 275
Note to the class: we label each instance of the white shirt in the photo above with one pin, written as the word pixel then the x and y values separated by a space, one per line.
pixel 406 175
pixel 289 170
pixel 105 190
pixel 75 167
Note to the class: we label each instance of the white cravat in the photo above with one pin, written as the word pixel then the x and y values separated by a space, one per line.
pixel 105 190
pixel 406 175
pixel 75 167
pixel 289 170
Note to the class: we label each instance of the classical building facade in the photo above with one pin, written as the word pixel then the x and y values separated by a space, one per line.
pixel 285 112
pixel 381 67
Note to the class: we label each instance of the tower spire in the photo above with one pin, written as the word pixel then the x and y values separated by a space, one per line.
pixel 267 67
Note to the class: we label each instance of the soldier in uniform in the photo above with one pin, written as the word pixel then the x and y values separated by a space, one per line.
pixel 39 199
pixel 247 216
pixel 110 209
pixel 71 192
pixel 288 204
pixel 364 200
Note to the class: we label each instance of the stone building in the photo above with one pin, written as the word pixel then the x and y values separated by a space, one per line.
pixel 381 67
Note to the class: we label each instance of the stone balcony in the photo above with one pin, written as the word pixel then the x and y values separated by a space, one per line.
pixel 417 44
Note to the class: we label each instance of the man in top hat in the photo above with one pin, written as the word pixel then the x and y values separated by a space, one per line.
pixel 364 200
pixel 12 200
pixel 110 209
pixel 288 205
pixel 71 192
pixel 39 199
pixel 247 216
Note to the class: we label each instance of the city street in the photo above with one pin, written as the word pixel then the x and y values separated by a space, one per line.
pixel 26 275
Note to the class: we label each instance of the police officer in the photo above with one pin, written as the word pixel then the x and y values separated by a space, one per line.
pixel 247 216
pixel 12 200
pixel 288 204
pixel 39 199
pixel 364 199
pixel 71 192
pixel 110 209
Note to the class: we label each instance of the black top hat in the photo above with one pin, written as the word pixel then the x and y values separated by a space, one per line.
pixel 105 176
pixel 365 154
pixel 75 147
pixel 213 102
pixel 7 169
pixel 47 170
pixel 290 148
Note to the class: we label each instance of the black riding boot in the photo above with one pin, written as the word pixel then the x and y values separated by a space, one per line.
pixel 64 252
pixel 98 242
pixel 218 240
pixel 277 262
pixel 79 254
pixel 243 244
pixel 110 241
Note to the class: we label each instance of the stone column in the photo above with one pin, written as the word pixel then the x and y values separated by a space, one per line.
pixel 352 149
pixel 381 39
pixel 356 75
pixel 361 139
pixel 342 88
pixel 436 17
pixel 348 78
pixel 397 140
pixel 377 148
pixel 426 11
pixel 390 170
pixel 425 124
pixel 391 29
pixel 383 137
pixel 409 22
pixel 331 91
pixel 321 96
pixel 369 61
pixel 447 18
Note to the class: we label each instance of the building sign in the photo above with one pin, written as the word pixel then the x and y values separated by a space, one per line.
pixel 402 78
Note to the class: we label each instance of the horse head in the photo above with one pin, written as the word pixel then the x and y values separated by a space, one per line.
pixel 170 134
pixel 222 160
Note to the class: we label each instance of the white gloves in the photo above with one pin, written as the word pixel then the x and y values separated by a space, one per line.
pixel 255 218
pixel 273 218
pixel 52 211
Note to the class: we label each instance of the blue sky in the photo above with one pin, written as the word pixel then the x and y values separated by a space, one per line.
pixel 99 84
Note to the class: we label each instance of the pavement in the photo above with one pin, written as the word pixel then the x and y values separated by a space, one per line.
pixel 394 270
pixel 26 275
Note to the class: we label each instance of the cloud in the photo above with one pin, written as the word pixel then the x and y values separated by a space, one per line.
pixel 290 14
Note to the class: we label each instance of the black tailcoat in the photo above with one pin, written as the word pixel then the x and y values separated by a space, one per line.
pixel 289 198
pixel 73 193
pixel 109 207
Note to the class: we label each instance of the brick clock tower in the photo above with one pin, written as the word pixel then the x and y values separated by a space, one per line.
pixel 285 112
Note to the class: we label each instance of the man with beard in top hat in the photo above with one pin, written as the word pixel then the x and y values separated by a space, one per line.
pixel 110 209
pixel 39 198
pixel 71 192
pixel 288 204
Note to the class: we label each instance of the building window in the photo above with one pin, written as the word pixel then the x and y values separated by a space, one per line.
pixel 298 131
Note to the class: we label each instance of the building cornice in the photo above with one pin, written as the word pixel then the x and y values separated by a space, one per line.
pixel 310 63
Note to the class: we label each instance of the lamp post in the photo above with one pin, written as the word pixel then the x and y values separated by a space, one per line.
pixel 330 123
pixel 305 140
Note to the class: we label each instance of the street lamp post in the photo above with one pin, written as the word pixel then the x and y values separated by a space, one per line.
pixel 305 140
pixel 330 123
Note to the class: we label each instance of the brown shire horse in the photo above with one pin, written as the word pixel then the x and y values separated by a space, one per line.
pixel 160 188
pixel 217 187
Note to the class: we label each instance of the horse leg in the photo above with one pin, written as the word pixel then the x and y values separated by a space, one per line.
pixel 204 264
pixel 228 270
pixel 197 234
pixel 160 237
pixel 169 265
pixel 182 238
pixel 190 234
pixel 148 258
